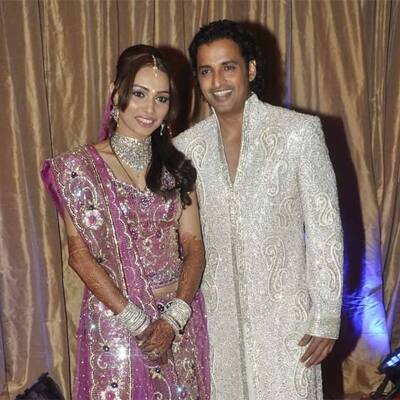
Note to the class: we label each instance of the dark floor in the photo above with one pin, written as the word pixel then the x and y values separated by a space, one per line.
pixel 367 398
pixel 355 398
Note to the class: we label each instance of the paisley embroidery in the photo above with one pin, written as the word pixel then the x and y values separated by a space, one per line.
pixel 275 177
pixel 301 376
pixel 197 152
pixel 274 141
pixel 209 286
pixel 327 213
pixel 302 302
pixel 287 211
pixel 274 252
pixel 331 288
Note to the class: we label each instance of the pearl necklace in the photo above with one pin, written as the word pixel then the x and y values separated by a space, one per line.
pixel 136 153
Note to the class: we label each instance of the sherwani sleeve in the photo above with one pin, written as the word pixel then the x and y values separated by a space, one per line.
pixel 323 233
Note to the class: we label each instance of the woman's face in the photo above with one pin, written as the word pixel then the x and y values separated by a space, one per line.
pixel 148 106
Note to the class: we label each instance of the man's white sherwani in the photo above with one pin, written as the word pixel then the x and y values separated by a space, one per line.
pixel 274 251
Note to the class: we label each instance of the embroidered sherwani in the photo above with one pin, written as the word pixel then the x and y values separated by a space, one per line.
pixel 274 251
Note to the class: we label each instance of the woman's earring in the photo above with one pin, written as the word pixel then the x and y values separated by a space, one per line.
pixel 162 128
pixel 115 114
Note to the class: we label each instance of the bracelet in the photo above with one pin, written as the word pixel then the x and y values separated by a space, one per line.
pixel 178 331
pixel 177 313
pixel 133 319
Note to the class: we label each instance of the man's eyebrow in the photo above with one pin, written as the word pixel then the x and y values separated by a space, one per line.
pixel 230 62
pixel 223 63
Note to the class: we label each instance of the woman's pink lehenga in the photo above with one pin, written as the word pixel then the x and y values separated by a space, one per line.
pixel 133 235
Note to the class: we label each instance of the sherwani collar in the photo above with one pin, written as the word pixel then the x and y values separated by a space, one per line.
pixel 250 105
pixel 251 102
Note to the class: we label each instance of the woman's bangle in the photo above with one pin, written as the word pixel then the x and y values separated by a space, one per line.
pixel 133 318
pixel 177 313
pixel 178 331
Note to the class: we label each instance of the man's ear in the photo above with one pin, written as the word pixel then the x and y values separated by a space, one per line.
pixel 252 70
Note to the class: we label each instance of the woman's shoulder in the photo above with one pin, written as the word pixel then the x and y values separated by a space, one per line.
pixel 63 168
pixel 103 147
pixel 78 158
pixel 74 153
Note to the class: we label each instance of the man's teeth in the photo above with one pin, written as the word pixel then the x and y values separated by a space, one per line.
pixel 221 93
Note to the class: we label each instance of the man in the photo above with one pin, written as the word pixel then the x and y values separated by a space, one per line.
pixel 271 226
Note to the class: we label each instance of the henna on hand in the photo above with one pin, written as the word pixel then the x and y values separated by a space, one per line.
pixel 158 339
pixel 93 275
pixel 193 266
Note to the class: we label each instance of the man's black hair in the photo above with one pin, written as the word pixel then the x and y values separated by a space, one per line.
pixel 226 29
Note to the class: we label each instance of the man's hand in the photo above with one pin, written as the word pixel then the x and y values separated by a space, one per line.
pixel 317 350
pixel 157 339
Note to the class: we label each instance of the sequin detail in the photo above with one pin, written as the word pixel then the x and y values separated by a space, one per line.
pixel 92 219
pixel 153 227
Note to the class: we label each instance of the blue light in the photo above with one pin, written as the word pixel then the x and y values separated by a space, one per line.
pixel 394 360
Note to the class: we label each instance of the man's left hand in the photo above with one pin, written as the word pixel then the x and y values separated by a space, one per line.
pixel 317 349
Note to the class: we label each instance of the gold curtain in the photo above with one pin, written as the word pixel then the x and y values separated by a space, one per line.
pixel 341 61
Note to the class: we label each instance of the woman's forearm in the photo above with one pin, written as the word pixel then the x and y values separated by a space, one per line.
pixel 193 267
pixel 94 276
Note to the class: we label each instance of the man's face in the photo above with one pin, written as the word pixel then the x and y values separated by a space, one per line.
pixel 224 76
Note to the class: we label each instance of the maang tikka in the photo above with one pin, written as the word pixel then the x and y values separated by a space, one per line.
pixel 155 66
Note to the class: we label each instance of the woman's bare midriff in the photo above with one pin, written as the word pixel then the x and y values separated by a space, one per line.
pixel 162 292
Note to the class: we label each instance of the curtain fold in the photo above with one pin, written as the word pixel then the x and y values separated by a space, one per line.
pixel 32 307
pixel 3 377
pixel 77 91
pixel 389 189
pixel 339 60
pixel 136 23
pixel 341 49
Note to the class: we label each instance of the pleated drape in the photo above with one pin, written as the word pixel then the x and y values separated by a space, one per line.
pixel 32 306
pixel 388 182
pixel 339 46
pixel 337 59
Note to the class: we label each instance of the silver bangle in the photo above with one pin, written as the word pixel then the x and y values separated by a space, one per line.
pixel 178 331
pixel 177 313
pixel 133 319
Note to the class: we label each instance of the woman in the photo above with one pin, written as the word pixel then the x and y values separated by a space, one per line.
pixel 132 222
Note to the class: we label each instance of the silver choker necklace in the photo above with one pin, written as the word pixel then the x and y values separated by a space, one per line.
pixel 136 153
